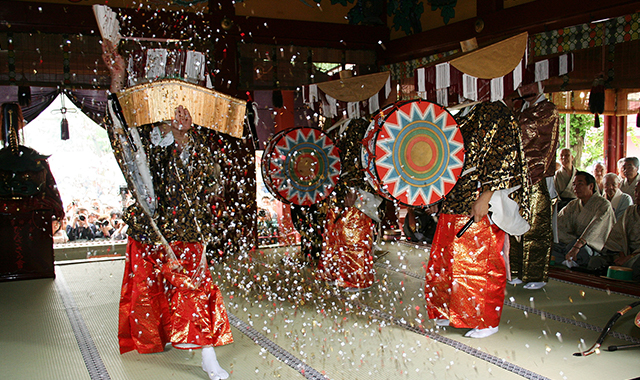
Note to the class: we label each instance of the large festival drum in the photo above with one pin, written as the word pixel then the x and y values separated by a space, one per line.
pixel 418 152
pixel 301 165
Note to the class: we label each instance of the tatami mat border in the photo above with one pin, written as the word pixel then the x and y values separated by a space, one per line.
pixel 88 349
pixel 280 353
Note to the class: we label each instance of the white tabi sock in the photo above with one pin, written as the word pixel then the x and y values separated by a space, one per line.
pixel 481 333
pixel 210 365
pixel 514 281
pixel 534 285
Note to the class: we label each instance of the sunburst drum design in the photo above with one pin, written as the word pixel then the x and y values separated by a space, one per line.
pixel 419 153
pixel 301 165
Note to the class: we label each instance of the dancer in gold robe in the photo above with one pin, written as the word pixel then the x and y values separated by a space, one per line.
pixel 466 276
pixel 539 121
pixel 168 294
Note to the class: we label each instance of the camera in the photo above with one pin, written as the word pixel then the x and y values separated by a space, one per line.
pixel 82 218
pixel 103 223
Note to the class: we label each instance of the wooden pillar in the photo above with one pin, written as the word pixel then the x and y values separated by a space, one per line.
pixel 284 118
pixel 615 141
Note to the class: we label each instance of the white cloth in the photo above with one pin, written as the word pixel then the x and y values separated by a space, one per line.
pixel 505 213
pixel 563 182
pixel 368 203
pixel 625 235
pixel 620 202
pixel 630 187
pixel 158 139
pixel 591 221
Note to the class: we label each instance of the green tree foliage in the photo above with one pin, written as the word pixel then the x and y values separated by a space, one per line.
pixel 586 142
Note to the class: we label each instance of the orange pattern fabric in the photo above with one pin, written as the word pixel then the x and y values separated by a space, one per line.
pixel 159 305
pixel 466 276
pixel 347 247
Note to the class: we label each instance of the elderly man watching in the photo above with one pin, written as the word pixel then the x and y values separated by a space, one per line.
pixel 583 225
pixel 630 171
pixel 619 200
pixel 622 247
pixel 563 179
pixel 598 172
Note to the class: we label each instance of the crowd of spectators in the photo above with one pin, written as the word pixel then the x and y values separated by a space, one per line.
pixel 598 220
pixel 89 221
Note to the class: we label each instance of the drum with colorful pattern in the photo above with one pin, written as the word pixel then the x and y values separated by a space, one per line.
pixel 419 153
pixel 301 165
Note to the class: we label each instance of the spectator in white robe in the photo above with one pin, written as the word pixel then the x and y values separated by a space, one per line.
pixel 598 173
pixel 619 200
pixel 583 225
pixel 630 171
pixel 622 247
pixel 563 179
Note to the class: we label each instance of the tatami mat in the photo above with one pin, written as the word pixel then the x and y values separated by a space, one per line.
pixel 36 338
pixel 307 328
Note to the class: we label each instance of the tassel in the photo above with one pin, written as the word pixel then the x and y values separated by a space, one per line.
pixel 64 129
pixel 277 100
pixel 24 96
pixel 596 99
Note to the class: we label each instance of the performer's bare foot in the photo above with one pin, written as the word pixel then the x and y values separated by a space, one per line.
pixel 481 333
pixel 210 365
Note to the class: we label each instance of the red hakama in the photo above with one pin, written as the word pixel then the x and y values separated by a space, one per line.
pixel 158 306
pixel 466 276
pixel 347 246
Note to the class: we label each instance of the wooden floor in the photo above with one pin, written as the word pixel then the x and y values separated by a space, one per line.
pixel 288 325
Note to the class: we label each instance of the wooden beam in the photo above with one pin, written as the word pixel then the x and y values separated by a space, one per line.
pixel 19 16
pixel 33 17
pixel 534 17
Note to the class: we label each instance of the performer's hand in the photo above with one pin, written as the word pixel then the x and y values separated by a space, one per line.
pixel 115 63
pixel 182 121
pixel 572 254
pixel 620 259
pixel 480 207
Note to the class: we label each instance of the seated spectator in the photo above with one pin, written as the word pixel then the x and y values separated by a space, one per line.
pixel 104 230
pixel 630 171
pixel 59 231
pixel 563 179
pixel 583 225
pixel 79 228
pixel 619 166
pixel 598 173
pixel 619 200
pixel 622 248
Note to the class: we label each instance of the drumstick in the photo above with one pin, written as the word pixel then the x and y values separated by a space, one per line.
pixel 606 330
pixel 466 227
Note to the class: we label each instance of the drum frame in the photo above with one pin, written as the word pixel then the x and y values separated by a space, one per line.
pixel 266 166
pixel 369 162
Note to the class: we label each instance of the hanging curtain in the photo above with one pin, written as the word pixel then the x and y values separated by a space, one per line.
pixel 41 98
pixel 92 103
